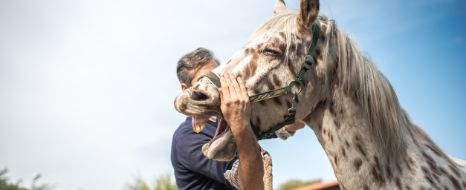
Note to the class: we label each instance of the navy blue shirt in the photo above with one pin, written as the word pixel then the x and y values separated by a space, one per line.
pixel 192 169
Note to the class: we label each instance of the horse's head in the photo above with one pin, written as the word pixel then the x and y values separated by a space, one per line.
pixel 271 59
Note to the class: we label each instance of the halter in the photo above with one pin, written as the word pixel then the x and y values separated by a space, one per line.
pixel 294 88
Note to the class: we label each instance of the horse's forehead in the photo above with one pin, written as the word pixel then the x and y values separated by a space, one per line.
pixel 281 37
pixel 267 36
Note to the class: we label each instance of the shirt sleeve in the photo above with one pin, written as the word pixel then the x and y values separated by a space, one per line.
pixel 191 157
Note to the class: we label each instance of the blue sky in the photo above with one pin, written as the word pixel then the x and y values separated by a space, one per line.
pixel 87 87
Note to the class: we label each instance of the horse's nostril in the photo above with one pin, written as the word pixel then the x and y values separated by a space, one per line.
pixel 196 95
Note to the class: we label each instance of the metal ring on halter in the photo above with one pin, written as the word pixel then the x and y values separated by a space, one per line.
pixel 295 87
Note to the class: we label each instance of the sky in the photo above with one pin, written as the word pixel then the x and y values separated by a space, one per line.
pixel 87 87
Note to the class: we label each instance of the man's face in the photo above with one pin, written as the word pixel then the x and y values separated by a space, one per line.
pixel 199 73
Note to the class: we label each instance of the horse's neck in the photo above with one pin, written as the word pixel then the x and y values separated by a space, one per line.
pixel 360 163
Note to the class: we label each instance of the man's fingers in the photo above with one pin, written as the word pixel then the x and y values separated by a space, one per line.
pixel 242 86
pixel 225 89
pixel 235 86
pixel 233 93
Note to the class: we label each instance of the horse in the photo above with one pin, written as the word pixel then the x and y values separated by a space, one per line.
pixel 300 66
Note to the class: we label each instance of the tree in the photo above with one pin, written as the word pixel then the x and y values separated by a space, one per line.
pixel 295 183
pixel 5 183
pixel 162 182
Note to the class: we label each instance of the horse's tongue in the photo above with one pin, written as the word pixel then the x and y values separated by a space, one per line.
pixel 199 123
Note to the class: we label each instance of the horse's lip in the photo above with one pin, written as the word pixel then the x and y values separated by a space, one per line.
pixel 211 101
pixel 222 146
pixel 185 105
pixel 222 129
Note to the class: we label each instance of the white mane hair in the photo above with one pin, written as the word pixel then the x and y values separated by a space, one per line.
pixel 359 78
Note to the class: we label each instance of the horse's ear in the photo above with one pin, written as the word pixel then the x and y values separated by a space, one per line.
pixel 307 13
pixel 280 6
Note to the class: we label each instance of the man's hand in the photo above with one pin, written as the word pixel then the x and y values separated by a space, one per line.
pixel 235 103
pixel 236 112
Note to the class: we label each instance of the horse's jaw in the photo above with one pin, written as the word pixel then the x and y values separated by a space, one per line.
pixel 222 146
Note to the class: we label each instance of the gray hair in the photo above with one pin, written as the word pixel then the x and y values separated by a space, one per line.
pixel 193 61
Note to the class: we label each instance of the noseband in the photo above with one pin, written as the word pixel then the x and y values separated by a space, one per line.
pixel 294 88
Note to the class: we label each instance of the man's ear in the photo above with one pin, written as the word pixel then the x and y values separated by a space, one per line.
pixel 184 86
pixel 280 6
pixel 307 13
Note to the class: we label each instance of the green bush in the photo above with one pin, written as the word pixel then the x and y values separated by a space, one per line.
pixel 162 182
pixel 294 183
pixel 5 183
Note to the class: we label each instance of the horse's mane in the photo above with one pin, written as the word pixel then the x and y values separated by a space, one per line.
pixel 358 78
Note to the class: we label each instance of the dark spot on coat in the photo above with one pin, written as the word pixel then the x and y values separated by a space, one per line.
pixel 442 171
pixel 277 101
pixel 337 124
pixel 318 52
pixel 288 103
pixel 282 35
pixel 377 171
pixel 436 151
pixel 398 183
pixel 429 179
pixel 454 181
pixel 455 170
pixel 322 37
pixel 252 66
pixel 388 171
pixel 276 80
pixel 269 84
pixel 361 150
pixel 247 51
pixel 365 187
pixel 357 164
pixel 377 176
pixel 292 68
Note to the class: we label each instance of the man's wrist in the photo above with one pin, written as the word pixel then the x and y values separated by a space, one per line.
pixel 241 129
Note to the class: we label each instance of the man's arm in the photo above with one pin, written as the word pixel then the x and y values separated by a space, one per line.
pixel 236 112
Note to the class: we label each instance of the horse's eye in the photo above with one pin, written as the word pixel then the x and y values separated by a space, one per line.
pixel 272 52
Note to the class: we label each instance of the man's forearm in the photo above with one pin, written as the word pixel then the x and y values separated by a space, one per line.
pixel 251 169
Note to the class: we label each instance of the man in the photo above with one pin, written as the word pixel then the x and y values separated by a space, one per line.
pixel 192 169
